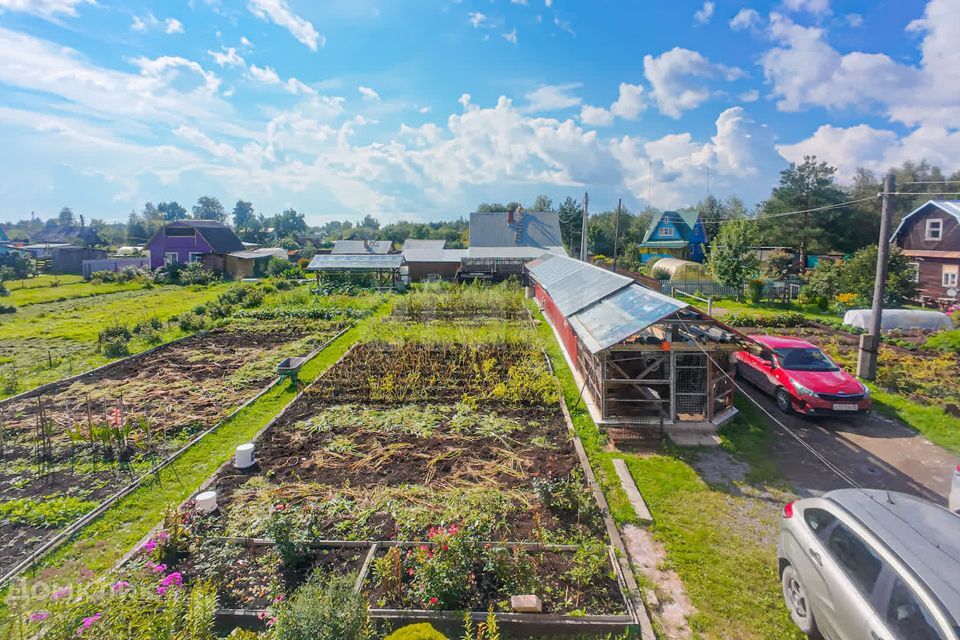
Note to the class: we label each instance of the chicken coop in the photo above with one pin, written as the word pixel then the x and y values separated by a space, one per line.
pixel 641 357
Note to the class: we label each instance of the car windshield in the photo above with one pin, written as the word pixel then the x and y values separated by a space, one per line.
pixel 805 359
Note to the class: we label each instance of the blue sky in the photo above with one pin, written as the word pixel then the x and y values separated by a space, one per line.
pixel 421 109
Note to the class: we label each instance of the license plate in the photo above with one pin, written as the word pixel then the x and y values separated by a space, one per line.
pixel 845 407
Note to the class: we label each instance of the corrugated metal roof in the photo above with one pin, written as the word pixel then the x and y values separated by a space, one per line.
pixel 621 315
pixel 513 252
pixel 434 255
pixel 573 284
pixel 416 243
pixel 330 262
pixel 947 206
pixel 537 229
pixel 361 247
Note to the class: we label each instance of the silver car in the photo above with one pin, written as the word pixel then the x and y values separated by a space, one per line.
pixel 871 565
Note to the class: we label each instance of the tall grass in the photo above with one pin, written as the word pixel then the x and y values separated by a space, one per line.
pixel 447 301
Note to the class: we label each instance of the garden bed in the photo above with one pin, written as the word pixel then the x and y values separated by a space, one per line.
pixel 69 446
pixel 463 500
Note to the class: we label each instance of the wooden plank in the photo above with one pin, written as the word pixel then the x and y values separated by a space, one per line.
pixel 365 569
pixel 630 488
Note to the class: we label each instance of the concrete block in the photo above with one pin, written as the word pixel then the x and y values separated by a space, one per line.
pixel 630 488
pixel 528 603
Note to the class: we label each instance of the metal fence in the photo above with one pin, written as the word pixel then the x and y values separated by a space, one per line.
pixel 709 288
pixel 113 264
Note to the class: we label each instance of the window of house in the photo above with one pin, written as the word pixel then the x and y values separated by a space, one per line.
pixel 934 229
pixel 949 275
pixel 170 257
pixel 858 561
pixel 666 232
pixel 195 256
pixel 915 273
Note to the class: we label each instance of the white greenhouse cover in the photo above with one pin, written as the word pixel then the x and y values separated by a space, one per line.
pixel 899 319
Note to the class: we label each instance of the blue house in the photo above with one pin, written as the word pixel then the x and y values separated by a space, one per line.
pixel 675 234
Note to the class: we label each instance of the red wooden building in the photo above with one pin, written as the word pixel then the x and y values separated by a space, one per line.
pixel 930 236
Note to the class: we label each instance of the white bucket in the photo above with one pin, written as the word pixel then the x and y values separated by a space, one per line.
pixel 207 502
pixel 244 457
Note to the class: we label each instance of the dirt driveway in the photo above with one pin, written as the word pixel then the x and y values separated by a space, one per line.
pixel 874 451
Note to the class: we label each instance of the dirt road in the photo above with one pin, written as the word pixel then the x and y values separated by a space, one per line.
pixel 874 451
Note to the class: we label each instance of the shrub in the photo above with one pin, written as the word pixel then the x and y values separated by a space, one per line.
pixel 755 290
pixel 7 308
pixel 421 631
pixel 116 348
pixel 288 537
pixel 858 276
pixel 4 292
pixel 190 323
pixel 326 608
pixel 945 341
pixel 775 320
pixel 115 332
pixel 660 274
pixel 9 381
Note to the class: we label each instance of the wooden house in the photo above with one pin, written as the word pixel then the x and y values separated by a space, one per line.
pixel 643 359
pixel 501 243
pixel 674 234
pixel 185 241
pixel 930 236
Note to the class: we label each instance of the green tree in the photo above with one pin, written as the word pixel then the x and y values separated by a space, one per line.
pixel 803 186
pixel 172 211
pixel 731 260
pixel 209 208
pixel 542 203
pixel 858 275
pixel 16 264
pixel 289 223
pixel 571 224
pixel 243 215
pixel 65 217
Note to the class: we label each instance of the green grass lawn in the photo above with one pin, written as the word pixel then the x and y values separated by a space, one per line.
pixel 49 341
pixel 728 305
pixel 722 545
pixel 99 546
pixel 59 288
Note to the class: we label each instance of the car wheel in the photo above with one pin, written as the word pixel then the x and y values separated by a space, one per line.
pixel 784 401
pixel 795 595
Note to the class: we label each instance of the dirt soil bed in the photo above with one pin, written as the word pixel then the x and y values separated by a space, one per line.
pixel 71 446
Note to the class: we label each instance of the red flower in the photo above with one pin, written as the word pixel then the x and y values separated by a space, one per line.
pixel 410 572
pixel 433 600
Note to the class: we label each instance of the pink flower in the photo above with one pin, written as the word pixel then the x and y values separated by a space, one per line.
pixel 262 615
pixel 271 622
pixel 452 529
pixel 163 536
pixel 60 593
pixel 116 417
pixel 39 616
pixel 87 623
pixel 150 546
pixel 161 590
pixel 119 585
pixel 173 580
pixel 410 572
pixel 279 598
pixel 159 568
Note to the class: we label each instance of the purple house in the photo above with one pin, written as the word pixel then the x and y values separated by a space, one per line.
pixel 186 241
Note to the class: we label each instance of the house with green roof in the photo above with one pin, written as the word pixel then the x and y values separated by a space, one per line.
pixel 675 234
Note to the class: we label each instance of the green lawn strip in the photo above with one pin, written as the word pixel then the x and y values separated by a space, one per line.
pixel 730 577
pixel 772 308
pixel 65 333
pixel 66 291
pixel 938 426
pixel 102 543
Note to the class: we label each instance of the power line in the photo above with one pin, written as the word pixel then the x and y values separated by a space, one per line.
pixel 932 182
pixel 843 476
pixel 926 193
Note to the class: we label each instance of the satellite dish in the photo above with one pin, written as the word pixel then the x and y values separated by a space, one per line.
pixel 951 293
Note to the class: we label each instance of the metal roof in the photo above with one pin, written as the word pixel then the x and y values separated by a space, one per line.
pixel 361 247
pixel 573 284
pixel 926 537
pixel 603 308
pixel 536 229
pixel 621 315
pixel 416 243
pixel 255 254
pixel 951 207
pixel 363 262
pixel 433 255
pixel 513 252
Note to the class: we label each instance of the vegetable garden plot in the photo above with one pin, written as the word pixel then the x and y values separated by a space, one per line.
pixel 444 301
pixel 68 448
pixel 467 479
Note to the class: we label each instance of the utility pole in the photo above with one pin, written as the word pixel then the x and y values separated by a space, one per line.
pixel 616 235
pixel 870 343
pixel 583 231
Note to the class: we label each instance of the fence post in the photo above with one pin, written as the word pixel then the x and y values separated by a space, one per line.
pixel 710 306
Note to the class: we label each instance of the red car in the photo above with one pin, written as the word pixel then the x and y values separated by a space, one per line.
pixel 802 378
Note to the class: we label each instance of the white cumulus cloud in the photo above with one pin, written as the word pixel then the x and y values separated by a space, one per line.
pixel 745 19
pixel 704 13
pixel 679 79
pixel 279 13
pixel 369 94
pixel 47 9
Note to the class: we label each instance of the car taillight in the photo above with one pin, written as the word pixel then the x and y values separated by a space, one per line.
pixel 788 510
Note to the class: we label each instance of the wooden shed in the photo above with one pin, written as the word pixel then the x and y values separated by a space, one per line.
pixel 641 357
